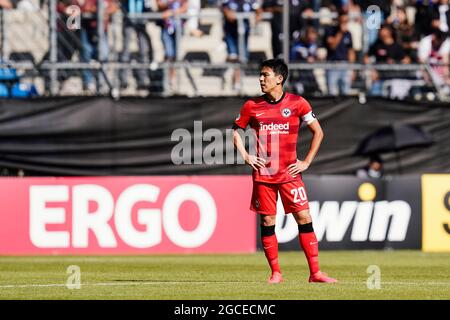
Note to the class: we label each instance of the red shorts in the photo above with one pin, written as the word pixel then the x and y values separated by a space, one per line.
pixel 292 193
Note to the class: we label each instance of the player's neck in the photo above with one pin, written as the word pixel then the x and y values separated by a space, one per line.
pixel 274 96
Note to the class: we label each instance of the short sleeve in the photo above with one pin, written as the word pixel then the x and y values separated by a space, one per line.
pixel 372 50
pixel 400 54
pixel 424 49
pixel 243 118
pixel 329 32
pixel 225 4
pixel 445 47
pixel 256 5
pixel 305 111
pixel 350 40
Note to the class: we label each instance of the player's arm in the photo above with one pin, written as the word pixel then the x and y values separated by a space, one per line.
pixel 6 4
pixel 229 14
pixel 316 141
pixel 254 161
pixel 241 122
pixel 302 165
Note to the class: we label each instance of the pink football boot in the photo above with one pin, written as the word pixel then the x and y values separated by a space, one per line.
pixel 321 277
pixel 275 278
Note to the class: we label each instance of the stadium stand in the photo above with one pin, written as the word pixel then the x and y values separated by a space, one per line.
pixel 27 41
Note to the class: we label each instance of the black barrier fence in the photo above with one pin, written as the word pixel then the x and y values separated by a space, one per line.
pixel 353 213
pixel 100 136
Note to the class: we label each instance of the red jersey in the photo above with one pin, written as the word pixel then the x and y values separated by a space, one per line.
pixel 276 126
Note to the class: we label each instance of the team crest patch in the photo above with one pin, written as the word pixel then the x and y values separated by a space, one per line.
pixel 286 112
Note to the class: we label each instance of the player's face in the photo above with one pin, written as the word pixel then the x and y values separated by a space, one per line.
pixel 268 80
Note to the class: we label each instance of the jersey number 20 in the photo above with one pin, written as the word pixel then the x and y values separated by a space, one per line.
pixel 299 192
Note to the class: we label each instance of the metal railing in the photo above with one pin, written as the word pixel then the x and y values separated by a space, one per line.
pixel 109 69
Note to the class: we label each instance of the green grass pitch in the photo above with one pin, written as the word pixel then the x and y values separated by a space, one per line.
pixel 404 275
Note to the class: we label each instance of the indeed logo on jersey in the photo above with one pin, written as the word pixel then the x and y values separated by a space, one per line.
pixel 274 128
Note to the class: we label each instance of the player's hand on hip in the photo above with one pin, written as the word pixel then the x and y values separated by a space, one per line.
pixel 297 167
pixel 255 162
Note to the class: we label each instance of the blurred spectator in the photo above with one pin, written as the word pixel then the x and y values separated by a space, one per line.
pixel 356 28
pixel 441 12
pixel 315 6
pixel 231 34
pixel 423 16
pixel 374 169
pixel 435 50
pixel 382 14
pixel 169 9
pixel 230 8
pixel 395 5
pixel 68 42
pixel 90 38
pixel 386 51
pixel 340 49
pixel 27 5
pixel 192 25
pixel 276 23
pixel 305 50
pixel 404 33
pixel 7 4
pixel 144 43
pixel 340 5
pixel 296 21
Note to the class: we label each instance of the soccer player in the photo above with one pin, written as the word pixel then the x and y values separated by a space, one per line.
pixel 275 118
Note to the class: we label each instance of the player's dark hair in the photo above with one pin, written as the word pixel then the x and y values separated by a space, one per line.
pixel 278 66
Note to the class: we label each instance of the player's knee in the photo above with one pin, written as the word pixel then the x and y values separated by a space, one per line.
pixel 305 219
pixel 267 220
pixel 302 217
